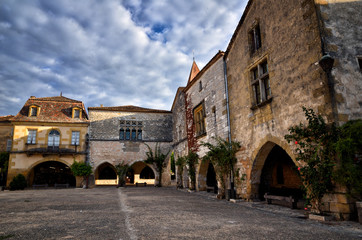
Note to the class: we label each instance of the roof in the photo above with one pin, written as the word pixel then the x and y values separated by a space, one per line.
pixel 238 27
pixel 6 118
pixel 194 71
pixel 128 108
pixel 204 69
pixel 52 109
pixel 179 90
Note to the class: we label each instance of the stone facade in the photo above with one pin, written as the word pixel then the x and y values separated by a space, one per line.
pixel 341 32
pixel 6 133
pixel 287 57
pixel 106 147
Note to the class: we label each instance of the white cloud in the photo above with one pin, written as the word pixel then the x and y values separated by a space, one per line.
pixel 107 52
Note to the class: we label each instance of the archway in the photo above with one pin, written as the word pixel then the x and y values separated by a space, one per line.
pixel 211 181
pixel 51 173
pixel 278 174
pixel 105 174
pixel 141 173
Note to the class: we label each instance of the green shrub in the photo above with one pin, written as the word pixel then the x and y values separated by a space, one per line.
pixel 18 182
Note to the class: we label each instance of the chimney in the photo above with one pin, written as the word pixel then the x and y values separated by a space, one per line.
pixel 101 105
pixel 32 97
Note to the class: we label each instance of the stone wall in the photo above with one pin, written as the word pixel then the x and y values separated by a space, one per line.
pixel 213 96
pixel 6 133
pixel 106 147
pixel 342 27
pixel 290 43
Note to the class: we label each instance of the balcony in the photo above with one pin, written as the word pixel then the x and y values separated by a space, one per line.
pixel 44 149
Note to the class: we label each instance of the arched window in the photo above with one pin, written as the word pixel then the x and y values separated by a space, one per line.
pixel 53 138
pixel 139 134
pixel 134 135
pixel 128 134
pixel 121 134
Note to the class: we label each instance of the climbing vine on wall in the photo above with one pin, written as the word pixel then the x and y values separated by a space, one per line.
pixel 190 126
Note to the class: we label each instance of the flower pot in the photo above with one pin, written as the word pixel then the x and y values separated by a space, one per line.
pixel 359 211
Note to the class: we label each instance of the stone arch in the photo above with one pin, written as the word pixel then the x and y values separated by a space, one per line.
pixel 105 174
pixel 259 157
pixel 136 169
pixel 51 172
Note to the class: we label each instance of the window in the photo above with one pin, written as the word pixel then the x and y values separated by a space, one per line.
pixel 75 137
pixel 199 119
pixel 33 111
pixel 260 83
pixel 200 86
pixel 135 134
pixel 255 39
pixel 76 112
pixel 121 134
pixel 8 145
pixel 128 134
pixel 31 137
pixel 53 138
pixel 139 134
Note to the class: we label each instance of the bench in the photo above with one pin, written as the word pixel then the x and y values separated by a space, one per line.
pixel 141 184
pixel 289 199
pixel 37 186
pixel 211 189
pixel 57 185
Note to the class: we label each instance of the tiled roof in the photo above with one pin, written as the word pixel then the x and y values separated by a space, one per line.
pixel 6 118
pixel 52 109
pixel 128 108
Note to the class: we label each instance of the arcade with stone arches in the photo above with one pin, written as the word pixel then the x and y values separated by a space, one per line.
pixel 139 172
pixel 274 172
pixel 206 177
pixel 51 173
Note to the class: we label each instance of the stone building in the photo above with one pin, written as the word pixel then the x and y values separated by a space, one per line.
pixel 49 135
pixel 281 57
pixel 120 134
pixel 6 133
pixel 200 115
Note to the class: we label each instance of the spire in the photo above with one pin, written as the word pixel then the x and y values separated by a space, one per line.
pixel 194 71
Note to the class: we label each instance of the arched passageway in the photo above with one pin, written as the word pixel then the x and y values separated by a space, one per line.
pixel 141 173
pixel 279 175
pixel 51 173
pixel 105 174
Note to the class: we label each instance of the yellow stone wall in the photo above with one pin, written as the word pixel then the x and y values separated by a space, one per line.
pixel 21 162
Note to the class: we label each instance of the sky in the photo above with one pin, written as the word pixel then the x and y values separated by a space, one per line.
pixel 111 52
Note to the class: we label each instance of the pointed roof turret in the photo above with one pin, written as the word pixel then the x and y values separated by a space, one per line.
pixel 194 71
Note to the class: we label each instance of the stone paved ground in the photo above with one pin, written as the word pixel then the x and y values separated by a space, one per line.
pixel 153 213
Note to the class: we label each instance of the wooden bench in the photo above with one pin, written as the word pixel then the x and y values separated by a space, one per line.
pixel 141 184
pixel 57 185
pixel 289 199
pixel 37 186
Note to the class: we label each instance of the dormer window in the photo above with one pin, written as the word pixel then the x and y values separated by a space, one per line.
pixel 76 113
pixel 33 111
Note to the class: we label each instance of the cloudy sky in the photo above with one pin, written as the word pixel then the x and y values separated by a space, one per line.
pixel 114 52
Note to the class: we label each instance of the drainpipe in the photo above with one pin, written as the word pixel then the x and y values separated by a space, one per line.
pixel 326 63
pixel 232 193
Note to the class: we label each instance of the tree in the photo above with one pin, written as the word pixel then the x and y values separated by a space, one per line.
pixel 180 163
pixel 122 169
pixel 81 169
pixel 157 159
pixel 315 155
pixel 349 152
pixel 191 160
pixel 222 156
